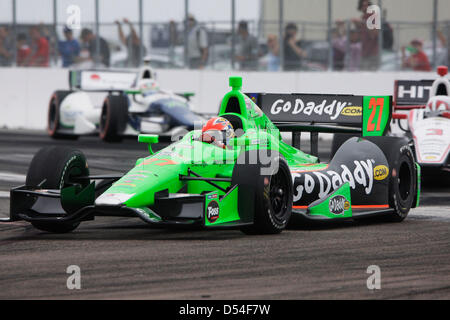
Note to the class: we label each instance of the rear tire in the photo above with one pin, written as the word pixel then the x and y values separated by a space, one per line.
pixel 114 118
pixel 56 168
pixel 269 192
pixel 402 185
pixel 53 117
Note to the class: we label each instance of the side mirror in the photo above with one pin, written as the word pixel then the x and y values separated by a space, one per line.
pixel 149 139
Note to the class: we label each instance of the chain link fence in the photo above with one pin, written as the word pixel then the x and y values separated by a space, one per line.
pixel 261 45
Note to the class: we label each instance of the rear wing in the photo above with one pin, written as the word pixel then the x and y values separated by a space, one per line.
pixel 365 115
pixel 411 94
pixel 102 80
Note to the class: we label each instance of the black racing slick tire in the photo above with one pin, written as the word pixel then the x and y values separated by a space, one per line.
pixel 265 189
pixel 53 116
pixel 56 168
pixel 114 118
pixel 402 184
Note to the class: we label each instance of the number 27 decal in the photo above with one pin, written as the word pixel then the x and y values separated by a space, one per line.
pixel 373 104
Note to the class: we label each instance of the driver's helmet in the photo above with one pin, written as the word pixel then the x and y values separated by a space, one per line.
pixel 438 103
pixel 217 130
pixel 148 86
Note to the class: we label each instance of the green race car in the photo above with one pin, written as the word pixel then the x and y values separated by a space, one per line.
pixel 249 179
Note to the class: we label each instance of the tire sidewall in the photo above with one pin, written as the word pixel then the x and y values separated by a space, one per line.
pixel 105 127
pixel 56 164
pixel 263 202
pixel 402 206
pixel 55 101
pixel 115 109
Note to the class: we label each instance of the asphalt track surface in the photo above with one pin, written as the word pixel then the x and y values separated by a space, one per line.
pixel 124 258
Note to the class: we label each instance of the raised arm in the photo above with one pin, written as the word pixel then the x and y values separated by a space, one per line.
pixel 120 31
pixel 134 36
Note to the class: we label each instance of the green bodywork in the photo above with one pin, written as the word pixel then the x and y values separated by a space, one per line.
pixel 161 171
pixel 322 206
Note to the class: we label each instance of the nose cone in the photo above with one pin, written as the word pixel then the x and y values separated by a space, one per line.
pixel 138 187
pixel 112 199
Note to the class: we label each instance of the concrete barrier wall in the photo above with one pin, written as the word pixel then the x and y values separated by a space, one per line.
pixel 25 92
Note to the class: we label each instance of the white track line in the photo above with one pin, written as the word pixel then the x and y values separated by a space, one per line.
pixel 437 215
pixel 9 176
pixel 4 194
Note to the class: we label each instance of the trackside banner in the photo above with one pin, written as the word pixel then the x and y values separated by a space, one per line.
pixel 412 92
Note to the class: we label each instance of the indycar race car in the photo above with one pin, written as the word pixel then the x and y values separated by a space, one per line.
pixel 134 104
pixel 425 106
pixel 237 172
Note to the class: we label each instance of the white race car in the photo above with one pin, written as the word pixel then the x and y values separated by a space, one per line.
pixel 424 106
pixel 134 104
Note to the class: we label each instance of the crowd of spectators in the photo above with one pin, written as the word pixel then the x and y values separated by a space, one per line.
pixel 35 53
pixel 36 47
pixel 354 46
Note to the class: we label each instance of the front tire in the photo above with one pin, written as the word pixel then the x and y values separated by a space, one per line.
pixel 56 168
pixel 264 189
pixel 53 116
pixel 114 118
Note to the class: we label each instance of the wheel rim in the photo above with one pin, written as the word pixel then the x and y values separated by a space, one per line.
pixel 404 181
pixel 75 170
pixel 279 195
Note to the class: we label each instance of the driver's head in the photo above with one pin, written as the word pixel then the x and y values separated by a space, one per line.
pixel 217 129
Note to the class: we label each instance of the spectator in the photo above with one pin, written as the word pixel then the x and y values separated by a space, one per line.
pixel 293 53
pixel 6 49
pixel 132 42
pixel 388 33
pixel 197 44
pixel 89 40
pixel 247 48
pixel 273 63
pixel 442 48
pixel 41 53
pixel 417 60
pixel 446 44
pixel 348 51
pixel 339 42
pixel 23 50
pixel 47 33
pixel 369 39
pixel 353 58
pixel 173 41
pixel 69 49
